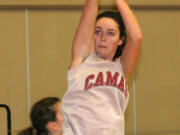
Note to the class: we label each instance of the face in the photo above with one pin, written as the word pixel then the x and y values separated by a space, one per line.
pixel 60 118
pixel 106 38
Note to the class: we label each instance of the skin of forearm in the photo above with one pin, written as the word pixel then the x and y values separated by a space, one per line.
pixel 129 19
pixel 85 30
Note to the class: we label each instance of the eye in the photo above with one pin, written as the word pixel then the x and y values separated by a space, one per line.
pixel 111 33
pixel 97 32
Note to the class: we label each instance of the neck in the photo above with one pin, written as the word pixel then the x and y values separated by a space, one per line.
pixel 104 58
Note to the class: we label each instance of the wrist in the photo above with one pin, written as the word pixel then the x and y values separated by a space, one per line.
pixel 120 1
pixel 92 3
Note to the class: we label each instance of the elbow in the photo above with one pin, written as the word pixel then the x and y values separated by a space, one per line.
pixel 140 37
pixel 137 38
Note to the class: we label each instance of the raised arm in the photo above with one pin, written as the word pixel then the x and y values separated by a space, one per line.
pixel 134 38
pixel 84 33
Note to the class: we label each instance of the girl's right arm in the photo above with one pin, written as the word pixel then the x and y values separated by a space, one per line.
pixel 84 34
pixel 134 39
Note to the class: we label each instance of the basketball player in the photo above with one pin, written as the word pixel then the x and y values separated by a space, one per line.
pixel 46 118
pixel 97 94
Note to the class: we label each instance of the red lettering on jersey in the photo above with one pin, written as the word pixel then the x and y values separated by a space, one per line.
pixel 121 84
pixel 99 80
pixel 112 80
pixel 87 84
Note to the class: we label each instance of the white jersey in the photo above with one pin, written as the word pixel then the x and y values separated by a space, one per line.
pixel 96 99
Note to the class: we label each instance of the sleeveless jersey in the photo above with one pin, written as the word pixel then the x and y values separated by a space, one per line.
pixel 96 99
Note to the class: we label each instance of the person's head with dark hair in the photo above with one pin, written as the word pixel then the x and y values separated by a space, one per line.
pixel 46 118
pixel 110 33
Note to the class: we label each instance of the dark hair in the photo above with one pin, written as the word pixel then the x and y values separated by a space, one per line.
pixel 41 113
pixel 118 19
pixel 26 131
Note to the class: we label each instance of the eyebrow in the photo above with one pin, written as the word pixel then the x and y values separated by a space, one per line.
pixel 98 27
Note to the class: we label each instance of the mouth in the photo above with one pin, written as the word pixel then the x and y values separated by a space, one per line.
pixel 102 46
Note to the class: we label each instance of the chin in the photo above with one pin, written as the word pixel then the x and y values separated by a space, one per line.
pixel 101 55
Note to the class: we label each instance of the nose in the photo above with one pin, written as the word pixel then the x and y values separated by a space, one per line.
pixel 103 37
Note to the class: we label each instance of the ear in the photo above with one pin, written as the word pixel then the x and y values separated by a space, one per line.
pixel 121 41
pixel 52 126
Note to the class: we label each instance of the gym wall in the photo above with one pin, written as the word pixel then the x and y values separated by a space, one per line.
pixel 35 52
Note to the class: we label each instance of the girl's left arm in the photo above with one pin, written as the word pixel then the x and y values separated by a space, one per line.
pixel 134 38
